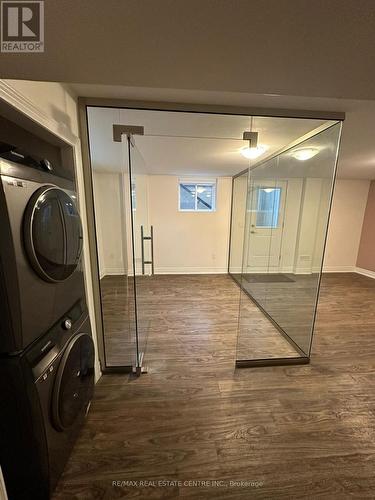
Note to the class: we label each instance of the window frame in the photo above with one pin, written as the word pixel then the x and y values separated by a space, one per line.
pixel 198 183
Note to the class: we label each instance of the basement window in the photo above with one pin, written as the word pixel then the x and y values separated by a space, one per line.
pixel 197 196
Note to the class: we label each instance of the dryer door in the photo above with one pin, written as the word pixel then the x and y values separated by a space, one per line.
pixel 52 234
pixel 74 384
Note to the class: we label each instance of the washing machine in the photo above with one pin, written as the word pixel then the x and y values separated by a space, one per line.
pixel 40 248
pixel 45 395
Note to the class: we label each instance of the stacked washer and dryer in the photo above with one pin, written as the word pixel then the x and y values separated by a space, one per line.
pixel 46 348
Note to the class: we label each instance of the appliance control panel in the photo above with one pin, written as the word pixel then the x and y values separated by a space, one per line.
pixel 41 354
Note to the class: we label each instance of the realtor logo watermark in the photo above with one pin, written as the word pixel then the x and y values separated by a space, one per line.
pixel 22 26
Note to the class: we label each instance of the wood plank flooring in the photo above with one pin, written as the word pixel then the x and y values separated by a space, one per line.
pixel 286 432
pixel 169 304
pixel 291 304
pixel 116 292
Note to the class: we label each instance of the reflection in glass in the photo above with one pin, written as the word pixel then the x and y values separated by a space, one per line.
pixel 287 210
pixel 268 204
pixel 239 197
pixel 113 200
pixel 142 278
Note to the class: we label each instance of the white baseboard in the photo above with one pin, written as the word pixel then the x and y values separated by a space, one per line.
pixel 191 270
pixel 349 269
pixel 111 271
pixel 266 270
pixel 339 269
pixel 365 272
pixel 167 270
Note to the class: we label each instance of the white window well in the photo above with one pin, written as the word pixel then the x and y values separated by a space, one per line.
pixel 197 196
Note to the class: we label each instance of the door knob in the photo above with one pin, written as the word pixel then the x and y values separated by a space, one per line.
pixel 252 232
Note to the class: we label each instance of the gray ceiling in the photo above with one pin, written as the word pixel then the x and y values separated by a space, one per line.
pixel 180 156
pixel 188 143
pixel 289 47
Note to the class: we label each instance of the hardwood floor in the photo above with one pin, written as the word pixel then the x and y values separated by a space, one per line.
pixel 165 304
pixel 294 432
pixel 290 303
pixel 118 330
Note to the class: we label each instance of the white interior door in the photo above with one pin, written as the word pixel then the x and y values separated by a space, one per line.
pixel 266 221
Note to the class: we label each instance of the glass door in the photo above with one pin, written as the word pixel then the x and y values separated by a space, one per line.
pixel 114 237
pixel 125 255
pixel 142 250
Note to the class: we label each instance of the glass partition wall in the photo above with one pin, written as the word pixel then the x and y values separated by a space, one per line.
pixel 121 218
pixel 113 220
pixel 278 231
pixel 279 215
pixel 142 250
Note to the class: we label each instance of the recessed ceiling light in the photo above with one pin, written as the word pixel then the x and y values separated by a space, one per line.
pixel 252 153
pixel 304 153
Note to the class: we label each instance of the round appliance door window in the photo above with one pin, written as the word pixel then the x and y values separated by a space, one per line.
pixel 74 384
pixel 52 233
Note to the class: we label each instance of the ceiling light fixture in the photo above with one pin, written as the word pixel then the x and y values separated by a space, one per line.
pixel 252 153
pixel 304 153
pixel 253 150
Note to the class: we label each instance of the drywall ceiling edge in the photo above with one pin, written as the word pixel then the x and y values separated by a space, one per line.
pixel 210 108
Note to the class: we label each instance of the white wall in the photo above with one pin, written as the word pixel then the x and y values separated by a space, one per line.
pixel 348 208
pixel 344 233
pixel 188 242
pixel 141 218
pixel 184 242
pixel 53 99
pixel 109 218
pixel 312 225
pixel 305 221
pixel 53 106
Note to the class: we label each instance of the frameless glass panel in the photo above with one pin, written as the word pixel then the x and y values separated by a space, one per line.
pixel 239 197
pixel 285 230
pixel 259 236
pixel 309 169
pixel 112 204
pixel 143 255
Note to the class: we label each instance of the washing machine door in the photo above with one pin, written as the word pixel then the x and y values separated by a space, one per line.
pixel 52 234
pixel 74 383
